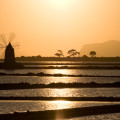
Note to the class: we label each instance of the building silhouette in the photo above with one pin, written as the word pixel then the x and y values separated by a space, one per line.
pixel 9 60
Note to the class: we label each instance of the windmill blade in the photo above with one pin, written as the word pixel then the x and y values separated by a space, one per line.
pixel 12 37
pixel 3 39
pixel 2 56
pixel 1 42
pixel 16 46
pixel 2 49
pixel 2 45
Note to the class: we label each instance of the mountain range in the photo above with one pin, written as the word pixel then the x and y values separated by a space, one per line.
pixel 107 49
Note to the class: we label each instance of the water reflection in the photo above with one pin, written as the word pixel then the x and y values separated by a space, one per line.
pixel 60 71
pixel 66 71
pixel 59 92
pixel 72 92
pixel 60 104
pixel 48 80
pixel 22 106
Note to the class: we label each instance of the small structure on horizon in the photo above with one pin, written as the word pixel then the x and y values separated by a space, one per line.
pixel 9 60
pixel 9 54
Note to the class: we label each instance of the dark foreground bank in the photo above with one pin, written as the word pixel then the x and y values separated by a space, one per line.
pixel 61 114
pixel 14 86
pixel 101 99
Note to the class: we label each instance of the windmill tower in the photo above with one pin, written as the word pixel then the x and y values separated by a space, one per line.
pixel 9 56
pixel 9 59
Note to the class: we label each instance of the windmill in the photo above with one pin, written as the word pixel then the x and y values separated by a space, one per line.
pixel 9 54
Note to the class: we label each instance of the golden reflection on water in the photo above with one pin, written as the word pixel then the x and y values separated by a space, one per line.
pixel 61 104
pixel 61 71
pixel 60 92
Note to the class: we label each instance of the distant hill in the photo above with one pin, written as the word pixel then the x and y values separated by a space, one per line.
pixel 107 49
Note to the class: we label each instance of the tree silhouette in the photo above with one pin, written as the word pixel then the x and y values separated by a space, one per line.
pixel 85 57
pixel 73 52
pixel 39 56
pixel 78 54
pixel 92 53
pixel 59 53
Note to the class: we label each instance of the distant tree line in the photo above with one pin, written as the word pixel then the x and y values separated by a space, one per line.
pixel 73 53
pixel 29 58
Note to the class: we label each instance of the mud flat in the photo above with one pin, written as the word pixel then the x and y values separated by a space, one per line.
pixel 108 99
pixel 12 86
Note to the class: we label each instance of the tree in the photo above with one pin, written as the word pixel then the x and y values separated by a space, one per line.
pixel 39 56
pixel 85 57
pixel 22 56
pixel 78 54
pixel 73 52
pixel 92 53
pixel 59 53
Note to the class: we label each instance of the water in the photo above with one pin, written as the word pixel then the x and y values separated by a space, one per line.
pixel 70 65
pixel 96 72
pixel 69 92
pixel 69 62
pixel 48 80
pixel 7 106
pixel 23 106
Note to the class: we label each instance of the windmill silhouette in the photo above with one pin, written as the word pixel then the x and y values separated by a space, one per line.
pixel 9 54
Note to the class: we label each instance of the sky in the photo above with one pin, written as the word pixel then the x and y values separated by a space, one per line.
pixel 44 26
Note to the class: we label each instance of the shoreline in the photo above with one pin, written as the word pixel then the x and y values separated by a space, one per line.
pixel 14 86
pixel 20 65
pixel 64 113
pixel 100 99
pixel 65 67
pixel 41 74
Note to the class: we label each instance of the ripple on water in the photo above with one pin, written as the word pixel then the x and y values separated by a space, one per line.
pixel 17 106
pixel 104 72
pixel 73 92
pixel 48 80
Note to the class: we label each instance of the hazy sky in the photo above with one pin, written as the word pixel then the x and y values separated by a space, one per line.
pixel 44 26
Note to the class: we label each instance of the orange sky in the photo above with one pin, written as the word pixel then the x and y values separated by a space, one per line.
pixel 44 26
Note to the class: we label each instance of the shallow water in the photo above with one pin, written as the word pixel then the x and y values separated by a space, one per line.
pixel 68 62
pixel 70 65
pixel 102 72
pixel 48 80
pixel 7 106
pixel 23 106
pixel 69 92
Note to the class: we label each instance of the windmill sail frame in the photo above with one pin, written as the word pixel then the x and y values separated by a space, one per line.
pixel 9 59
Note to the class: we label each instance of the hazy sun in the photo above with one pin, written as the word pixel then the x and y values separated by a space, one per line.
pixel 61 4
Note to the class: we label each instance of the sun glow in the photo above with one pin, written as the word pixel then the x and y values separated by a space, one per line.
pixel 61 4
